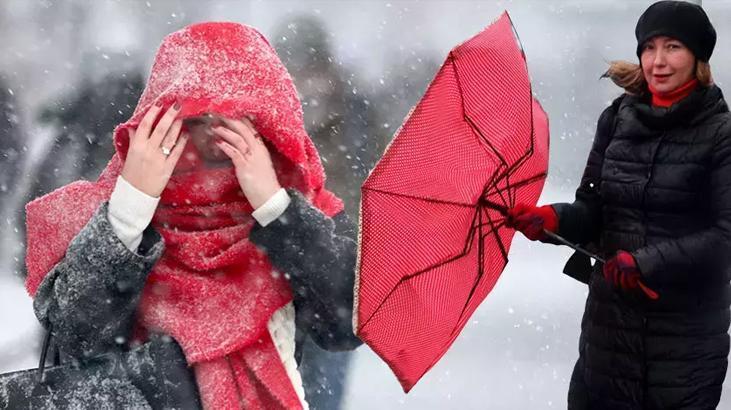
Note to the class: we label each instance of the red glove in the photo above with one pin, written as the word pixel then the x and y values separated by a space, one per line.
pixel 621 271
pixel 532 220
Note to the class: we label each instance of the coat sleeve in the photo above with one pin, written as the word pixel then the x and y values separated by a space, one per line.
pixel 580 222
pixel 317 255
pixel 90 297
pixel 685 259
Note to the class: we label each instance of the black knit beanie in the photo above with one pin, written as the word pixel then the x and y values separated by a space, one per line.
pixel 680 20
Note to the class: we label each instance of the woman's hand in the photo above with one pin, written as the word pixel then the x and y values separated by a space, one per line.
pixel 532 220
pixel 254 169
pixel 622 271
pixel 153 153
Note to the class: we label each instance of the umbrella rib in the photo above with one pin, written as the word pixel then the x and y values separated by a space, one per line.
pixel 482 136
pixel 495 227
pixel 480 258
pixel 465 251
pixel 469 120
pixel 508 169
pixel 471 232
pixel 522 159
pixel 481 268
pixel 498 191
pixel 408 277
pixel 527 181
pixel 493 183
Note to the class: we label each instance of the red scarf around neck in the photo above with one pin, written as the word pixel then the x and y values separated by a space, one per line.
pixel 666 100
pixel 212 290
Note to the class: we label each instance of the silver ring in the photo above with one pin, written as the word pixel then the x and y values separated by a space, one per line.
pixel 165 151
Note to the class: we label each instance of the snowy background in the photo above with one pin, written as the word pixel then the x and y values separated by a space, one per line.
pixel 520 347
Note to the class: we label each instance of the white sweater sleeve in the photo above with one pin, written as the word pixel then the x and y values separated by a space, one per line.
pixel 273 208
pixel 130 211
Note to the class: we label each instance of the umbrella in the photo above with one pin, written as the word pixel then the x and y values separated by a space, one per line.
pixel 433 239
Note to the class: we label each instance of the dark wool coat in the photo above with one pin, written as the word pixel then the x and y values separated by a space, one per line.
pixel 90 297
pixel 657 184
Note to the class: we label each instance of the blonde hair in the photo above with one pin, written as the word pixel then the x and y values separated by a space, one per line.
pixel 629 76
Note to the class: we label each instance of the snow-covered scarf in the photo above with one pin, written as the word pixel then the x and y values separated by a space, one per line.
pixel 212 290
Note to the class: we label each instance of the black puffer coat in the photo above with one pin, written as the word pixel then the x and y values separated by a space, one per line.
pixel 657 184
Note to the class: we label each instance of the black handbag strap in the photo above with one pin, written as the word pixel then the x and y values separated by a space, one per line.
pixel 44 354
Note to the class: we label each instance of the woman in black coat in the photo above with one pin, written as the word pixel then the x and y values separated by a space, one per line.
pixel 655 201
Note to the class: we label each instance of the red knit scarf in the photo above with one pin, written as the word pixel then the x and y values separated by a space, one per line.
pixel 212 290
pixel 665 100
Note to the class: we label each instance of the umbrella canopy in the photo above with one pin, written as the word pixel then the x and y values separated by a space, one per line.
pixel 433 239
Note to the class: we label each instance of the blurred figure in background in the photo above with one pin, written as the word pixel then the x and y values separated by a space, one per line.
pixel 404 79
pixel 343 124
pixel 339 116
pixel 81 126
pixel 83 123
pixel 11 161
pixel 10 142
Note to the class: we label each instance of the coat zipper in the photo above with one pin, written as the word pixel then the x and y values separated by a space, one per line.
pixel 647 183
pixel 645 384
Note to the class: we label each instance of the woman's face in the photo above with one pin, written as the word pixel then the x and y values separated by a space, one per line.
pixel 199 129
pixel 667 64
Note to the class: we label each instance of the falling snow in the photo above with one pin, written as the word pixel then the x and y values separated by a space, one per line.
pixel 71 71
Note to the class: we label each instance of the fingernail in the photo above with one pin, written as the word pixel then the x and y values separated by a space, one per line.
pixel 176 106
pixel 158 103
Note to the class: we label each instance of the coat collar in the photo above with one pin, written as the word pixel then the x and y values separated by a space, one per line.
pixel 637 117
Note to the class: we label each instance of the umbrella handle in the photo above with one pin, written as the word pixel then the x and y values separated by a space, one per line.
pixel 645 289
pixel 575 247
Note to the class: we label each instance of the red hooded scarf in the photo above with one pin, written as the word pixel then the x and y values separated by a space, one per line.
pixel 212 290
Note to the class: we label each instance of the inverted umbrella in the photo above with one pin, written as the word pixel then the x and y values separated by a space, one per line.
pixel 433 238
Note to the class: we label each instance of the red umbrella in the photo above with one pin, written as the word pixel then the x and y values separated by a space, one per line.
pixel 433 240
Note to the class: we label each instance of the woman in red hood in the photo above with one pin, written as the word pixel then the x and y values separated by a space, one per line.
pixel 230 244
